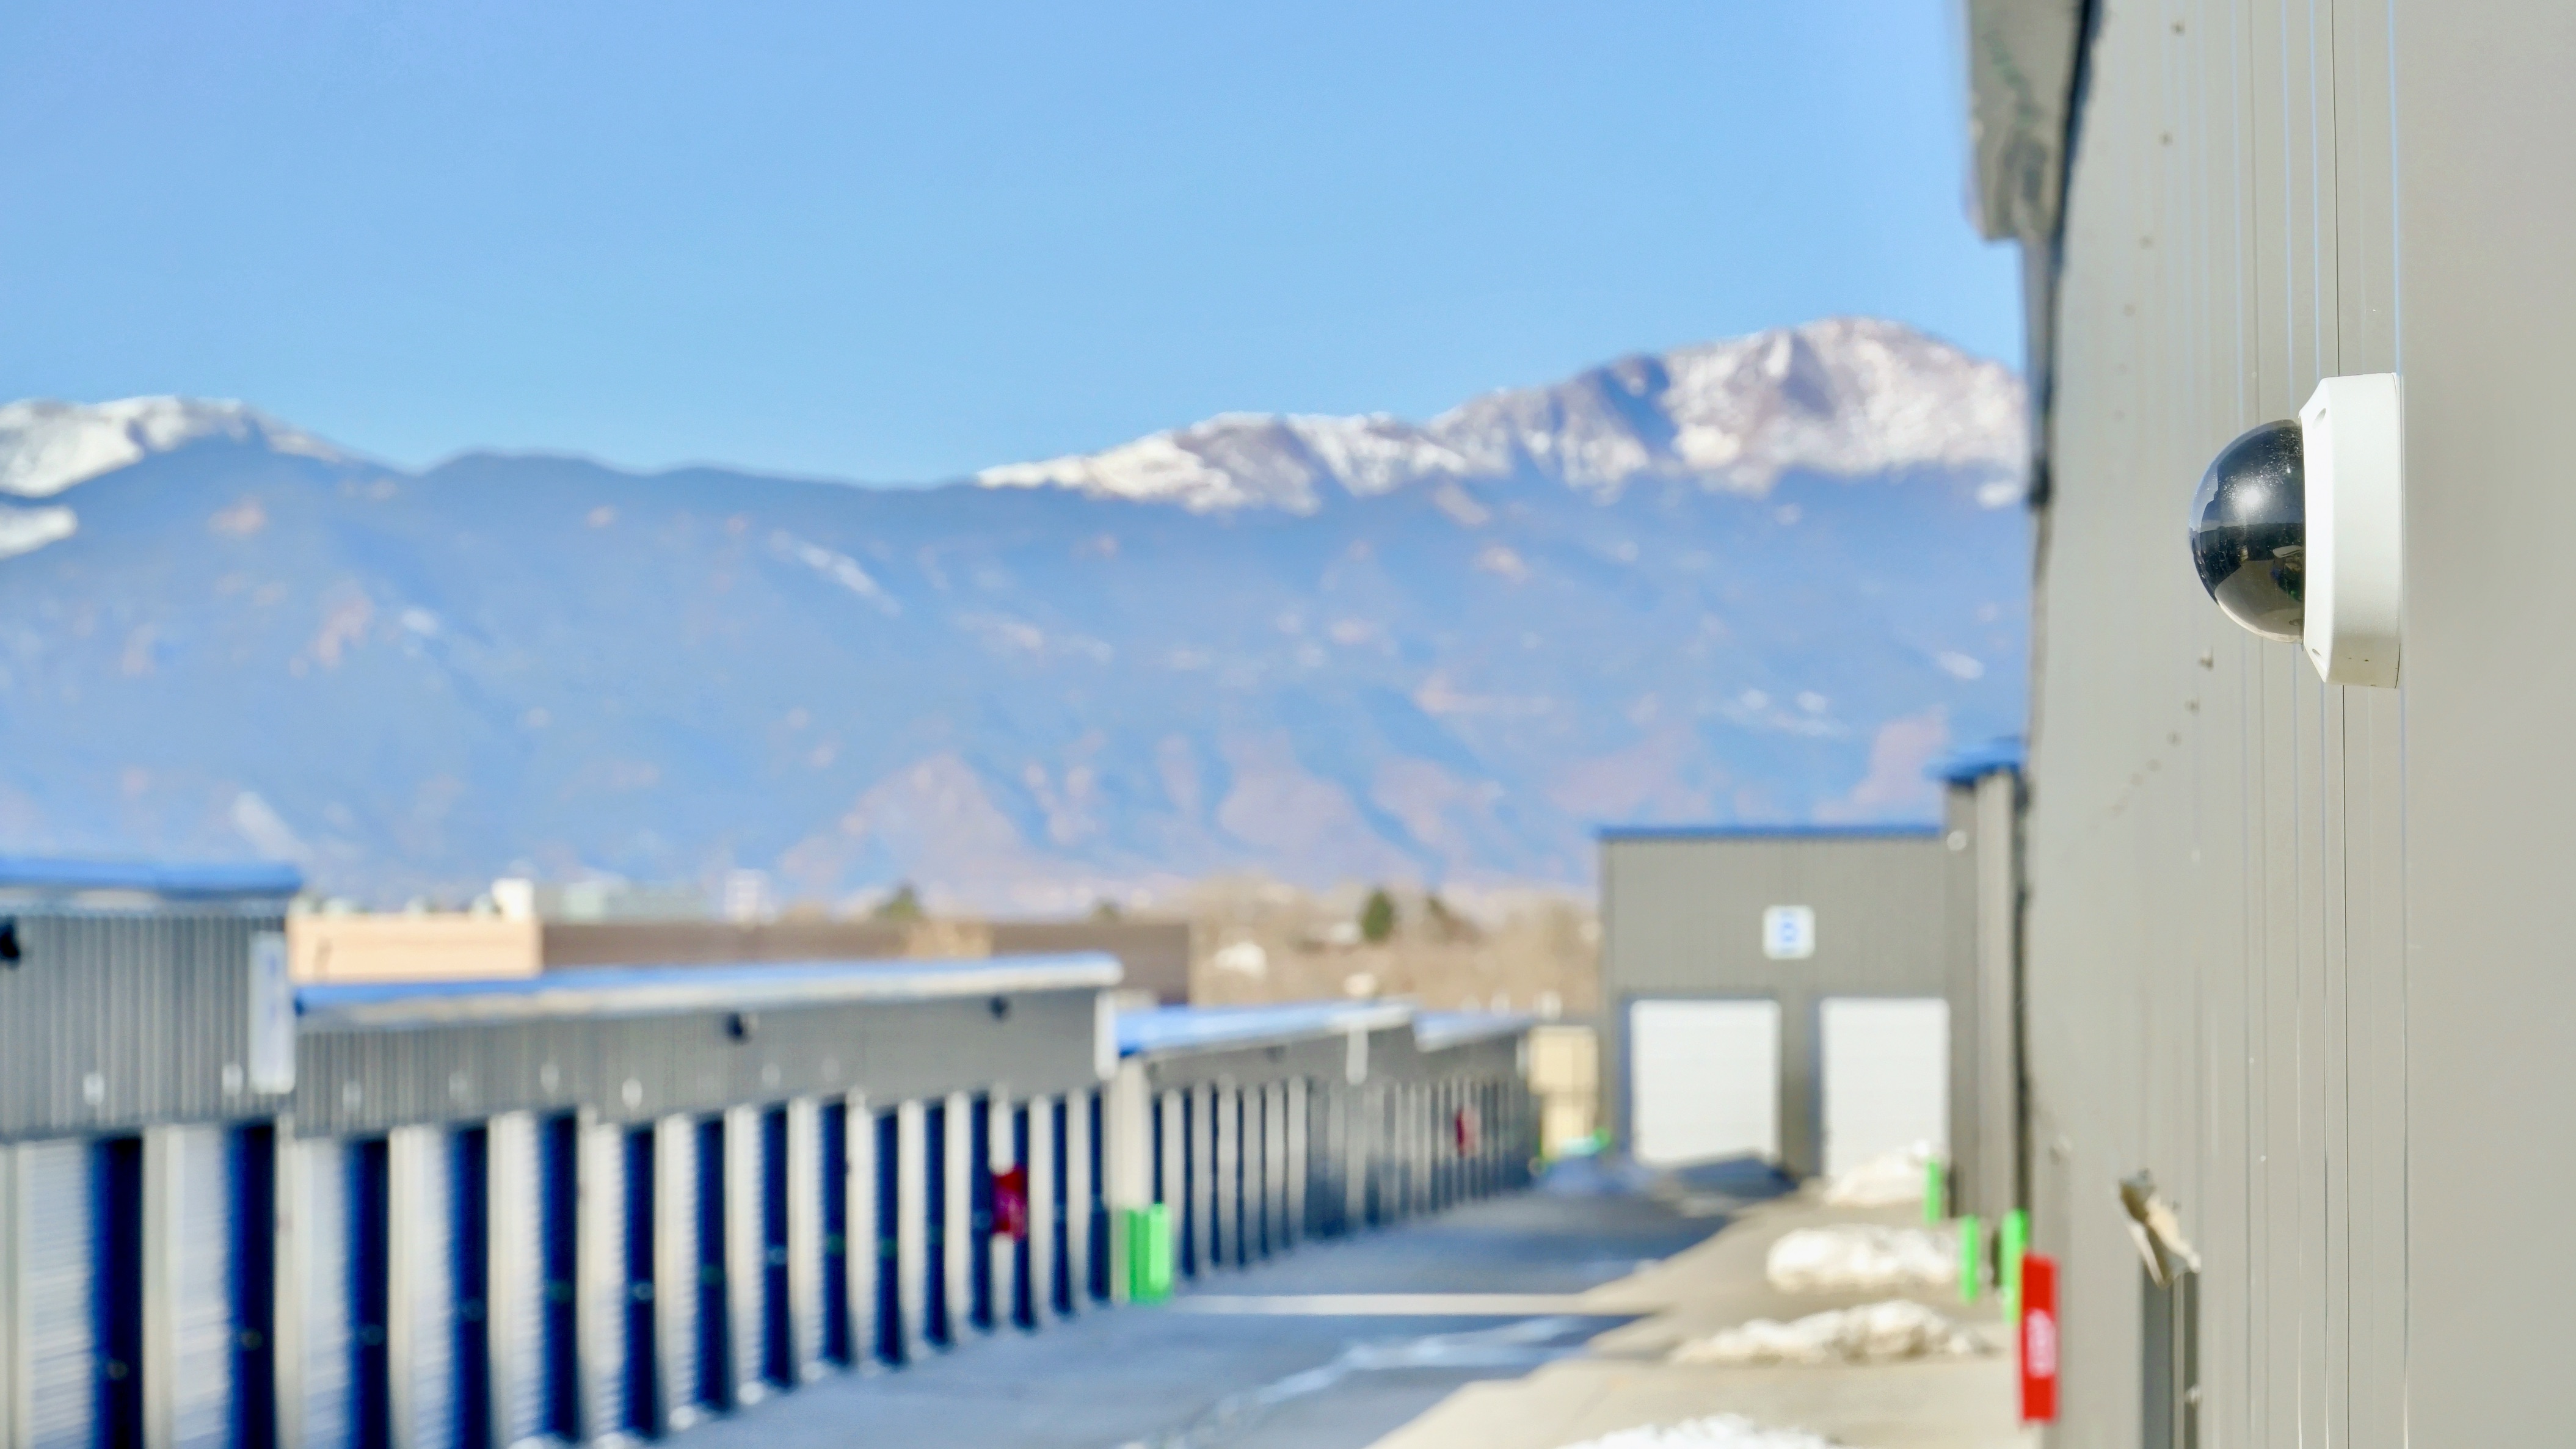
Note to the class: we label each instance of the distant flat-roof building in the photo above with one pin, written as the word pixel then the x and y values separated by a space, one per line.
pixel 1816 996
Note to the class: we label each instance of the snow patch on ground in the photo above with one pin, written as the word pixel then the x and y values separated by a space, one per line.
pixel 1862 1258
pixel 1888 1332
pixel 1887 1180
pixel 1717 1431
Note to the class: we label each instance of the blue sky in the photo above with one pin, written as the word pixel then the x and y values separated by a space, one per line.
pixel 901 242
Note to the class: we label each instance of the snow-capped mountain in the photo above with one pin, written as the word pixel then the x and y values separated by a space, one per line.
pixel 46 447
pixel 1846 397
pixel 1762 580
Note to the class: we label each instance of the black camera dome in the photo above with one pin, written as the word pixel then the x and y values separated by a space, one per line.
pixel 2249 534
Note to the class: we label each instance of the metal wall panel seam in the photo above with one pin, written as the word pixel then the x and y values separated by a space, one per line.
pixel 13 1336
pixel 1001 1261
pixel 958 1217
pixel 745 1255
pixel 1042 1214
pixel 804 1212
pixel 675 1269
pixel 162 1189
pixel 912 1231
pixel 862 1233
pixel 1295 1154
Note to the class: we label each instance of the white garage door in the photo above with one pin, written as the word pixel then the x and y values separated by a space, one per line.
pixel 1703 1080
pixel 1887 1078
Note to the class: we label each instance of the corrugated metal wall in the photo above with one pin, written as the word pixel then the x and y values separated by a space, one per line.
pixel 358 1080
pixel 114 1020
pixel 2213 934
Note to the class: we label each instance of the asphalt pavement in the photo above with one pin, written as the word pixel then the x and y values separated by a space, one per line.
pixel 1331 1346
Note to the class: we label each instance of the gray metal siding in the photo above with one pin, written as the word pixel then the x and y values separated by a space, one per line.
pixel 118 1020
pixel 364 1081
pixel 2226 858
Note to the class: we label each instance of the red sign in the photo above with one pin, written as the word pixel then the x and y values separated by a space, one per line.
pixel 2039 1340
pixel 1011 1202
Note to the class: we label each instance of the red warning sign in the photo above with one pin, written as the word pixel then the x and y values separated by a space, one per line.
pixel 2039 1341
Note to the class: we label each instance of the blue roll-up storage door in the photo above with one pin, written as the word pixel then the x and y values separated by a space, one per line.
pixel 979 1211
pixel 889 1246
pixel 712 1370
pixel 252 1177
pixel 834 1185
pixel 116 1197
pixel 204 1235
pixel 632 1383
pixel 1096 1146
pixel 322 1243
pixel 1060 1184
pixel 558 1264
pixel 934 1151
pixel 777 1304
pixel 1024 1293
pixel 56 1278
pixel 469 1153
pixel 370 1294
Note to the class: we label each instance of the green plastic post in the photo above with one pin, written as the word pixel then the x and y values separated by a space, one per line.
pixel 2016 1240
pixel 1936 1191
pixel 1158 1253
pixel 1972 1244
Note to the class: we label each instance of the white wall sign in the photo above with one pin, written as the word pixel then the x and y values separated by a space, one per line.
pixel 1789 932
pixel 272 1016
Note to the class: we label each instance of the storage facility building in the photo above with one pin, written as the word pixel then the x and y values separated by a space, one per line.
pixel 1818 996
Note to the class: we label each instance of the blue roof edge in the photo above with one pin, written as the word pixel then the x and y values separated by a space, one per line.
pixel 1973 763
pixel 264 879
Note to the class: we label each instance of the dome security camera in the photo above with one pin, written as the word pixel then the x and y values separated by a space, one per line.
pixel 2297 529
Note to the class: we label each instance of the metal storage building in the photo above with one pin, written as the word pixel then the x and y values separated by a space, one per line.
pixel 2295 951
pixel 1255 1127
pixel 600 1206
pixel 1818 995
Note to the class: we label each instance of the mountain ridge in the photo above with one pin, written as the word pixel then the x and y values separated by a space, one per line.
pixel 1023 698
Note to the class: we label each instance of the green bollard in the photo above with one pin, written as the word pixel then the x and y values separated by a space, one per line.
pixel 2016 1241
pixel 1972 1245
pixel 1936 1192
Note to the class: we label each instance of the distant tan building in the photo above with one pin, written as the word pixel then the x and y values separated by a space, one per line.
pixel 411 947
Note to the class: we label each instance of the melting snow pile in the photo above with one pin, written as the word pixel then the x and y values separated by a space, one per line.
pixel 1718 1431
pixel 1887 1332
pixel 1887 1180
pixel 1862 1258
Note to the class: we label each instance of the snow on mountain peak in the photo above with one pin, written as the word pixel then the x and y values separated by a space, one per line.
pixel 48 446
pixel 1846 396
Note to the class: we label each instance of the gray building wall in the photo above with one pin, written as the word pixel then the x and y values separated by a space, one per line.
pixel 1896 915
pixel 2298 950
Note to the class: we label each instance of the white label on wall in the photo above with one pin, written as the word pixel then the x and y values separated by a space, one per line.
pixel 272 1016
pixel 1788 932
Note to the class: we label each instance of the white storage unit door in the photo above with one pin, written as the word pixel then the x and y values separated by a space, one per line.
pixel 422 1200
pixel 515 1279
pixel 203 1229
pixel 322 1250
pixel 58 1281
pixel 1703 1080
pixel 1887 1078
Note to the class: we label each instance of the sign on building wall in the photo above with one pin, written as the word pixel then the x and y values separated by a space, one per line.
pixel 1789 932
pixel 272 1016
